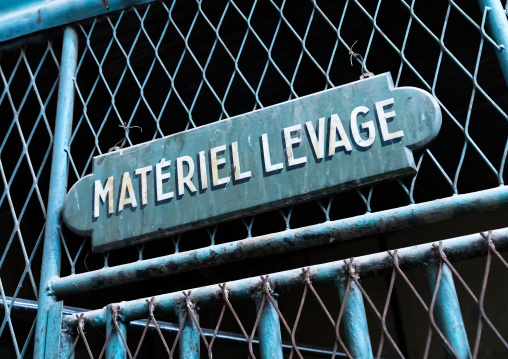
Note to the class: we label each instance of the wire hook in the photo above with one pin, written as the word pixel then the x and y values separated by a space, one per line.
pixel 127 129
pixel 365 73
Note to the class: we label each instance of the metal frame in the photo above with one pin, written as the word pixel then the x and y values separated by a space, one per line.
pixel 338 273
pixel 52 286
pixel 58 185
pixel 320 234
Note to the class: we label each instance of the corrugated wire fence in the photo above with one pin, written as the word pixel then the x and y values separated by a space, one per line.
pixel 334 319
pixel 171 66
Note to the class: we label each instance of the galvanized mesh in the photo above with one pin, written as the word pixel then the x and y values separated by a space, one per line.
pixel 312 317
pixel 154 70
pixel 28 83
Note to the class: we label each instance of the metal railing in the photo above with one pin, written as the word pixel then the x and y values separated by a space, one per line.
pixel 444 321
pixel 171 66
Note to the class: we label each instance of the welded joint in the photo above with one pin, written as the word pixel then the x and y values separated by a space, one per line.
pixel 49 287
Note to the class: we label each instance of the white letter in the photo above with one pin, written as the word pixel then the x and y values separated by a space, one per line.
pixel 290 141
pixel 100 195
pixel 369 126
pixel 317 144
pixel 127 185
pixel 336 125
pixel 382 117
pixel 216 162
pixel 187 180
pixel 159 177
pixel 142 172
pixel 202 170
pixel 236 163
pixel 266 156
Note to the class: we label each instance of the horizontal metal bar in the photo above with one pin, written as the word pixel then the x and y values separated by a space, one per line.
pixel 20 18
pixel 31 307
pixel 458 248
pixel 315 235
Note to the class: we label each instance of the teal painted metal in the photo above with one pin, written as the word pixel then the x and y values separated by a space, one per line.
pixel 189 343
pixel 67 345
pixel 115 347
pixel 498 27
pixel 447 310
pixel 253 162
pixel 460 248
pixel 20 18
pixel 55 315
pixel 270 341
pixel 58 185
pixel 355 320
pixel 320 234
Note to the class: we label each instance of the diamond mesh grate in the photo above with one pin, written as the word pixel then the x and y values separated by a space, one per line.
pixel 28 84
pixel 155 70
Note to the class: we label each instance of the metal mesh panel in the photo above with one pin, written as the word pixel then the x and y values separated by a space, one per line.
pixel 28 83
pixel 154 70
pixel 305 309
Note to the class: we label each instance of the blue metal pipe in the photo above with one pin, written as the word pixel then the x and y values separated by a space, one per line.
pixel 188 342
pixel 115 348
pixel 270 341
pixel 498 28
pixel 459 248
pixel 447 310
pixel 355 321
pixel 57 186
pixel 20 18
pixel 54 331
pixel 290 240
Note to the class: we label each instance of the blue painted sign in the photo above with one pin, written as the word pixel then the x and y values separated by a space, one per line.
pixel 309 147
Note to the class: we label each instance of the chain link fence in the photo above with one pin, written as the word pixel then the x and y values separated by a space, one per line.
pixel 294 297
pixel 154 70
pixel 157 69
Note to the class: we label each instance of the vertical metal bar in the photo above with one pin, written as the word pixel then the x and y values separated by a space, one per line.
pixel 60 340
pixel 355 321
pixel 498 28
pixel 115 348
pixel 270 341
pixel 54 330
pixel 189 338
pixel 447 310
pixel 57 186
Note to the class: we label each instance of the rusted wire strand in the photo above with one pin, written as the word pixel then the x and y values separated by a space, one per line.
pixel 492 248
pixel 190 307
pixel 352 276
pixel 334 324
pixel 115 310
pixel 433 324
pixel 385 311
pixel 306 273
pixel 225 295
pixel 483 315
pixel 267 290
pixel 260 310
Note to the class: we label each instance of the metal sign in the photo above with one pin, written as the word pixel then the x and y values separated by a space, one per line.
pixel 312 146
